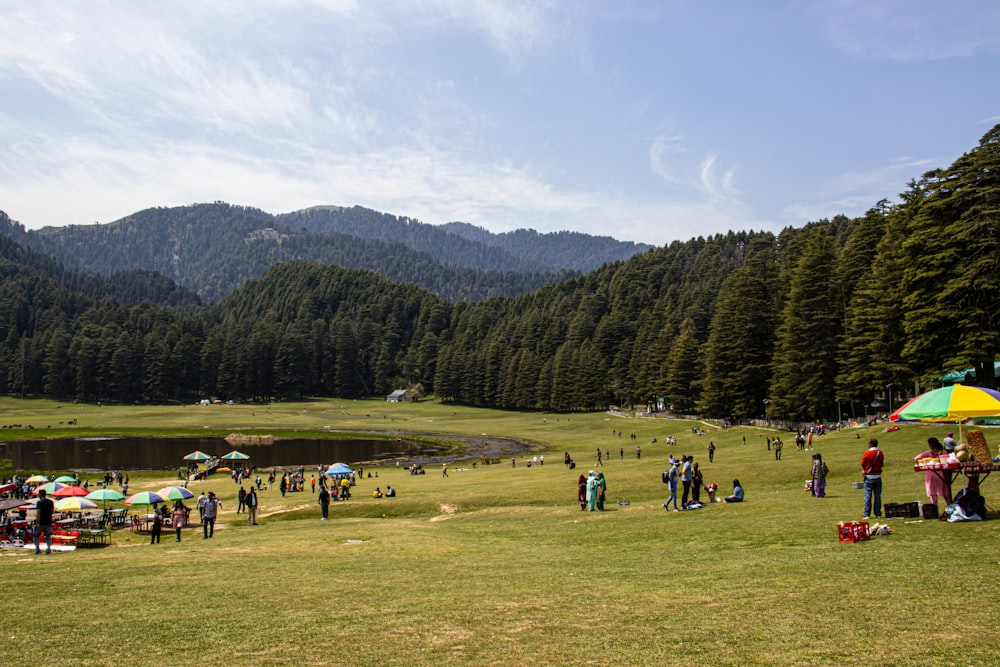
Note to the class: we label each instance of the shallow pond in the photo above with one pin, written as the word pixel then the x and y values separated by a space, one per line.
pixel 167 453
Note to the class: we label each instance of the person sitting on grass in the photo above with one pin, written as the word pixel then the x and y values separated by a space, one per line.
pixel 390 492
pixel 737 496
pixel 377 493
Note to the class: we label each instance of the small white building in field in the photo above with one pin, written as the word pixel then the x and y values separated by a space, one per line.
pixel 397 396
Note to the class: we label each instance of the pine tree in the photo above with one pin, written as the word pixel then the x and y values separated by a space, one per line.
pixel 738 352
pixel 952 281
pixel 804 364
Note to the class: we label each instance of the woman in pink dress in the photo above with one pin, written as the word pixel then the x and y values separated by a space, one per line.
pixel 934 479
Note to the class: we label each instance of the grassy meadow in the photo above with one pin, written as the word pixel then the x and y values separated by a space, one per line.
pixel 497 565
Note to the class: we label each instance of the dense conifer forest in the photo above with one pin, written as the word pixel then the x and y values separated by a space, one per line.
pixel 731 325
pixel 212 249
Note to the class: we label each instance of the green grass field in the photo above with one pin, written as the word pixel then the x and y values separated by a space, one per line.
pixel 498 566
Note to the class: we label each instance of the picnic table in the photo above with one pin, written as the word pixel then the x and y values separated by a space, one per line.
pixel 91 537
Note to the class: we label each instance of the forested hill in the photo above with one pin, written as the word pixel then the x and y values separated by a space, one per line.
pixel 555 249
pixel 129 287
pixel 745 324
pixel 524 250
pixel 212 249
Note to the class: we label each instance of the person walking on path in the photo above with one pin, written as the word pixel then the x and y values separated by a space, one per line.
pixel 871 465
pixel 44 509
pixel 711 451
pixel 324 503
pixel 252 504
pixel 212 505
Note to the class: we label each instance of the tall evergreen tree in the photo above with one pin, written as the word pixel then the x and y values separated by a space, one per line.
pixel 952 279
pixel 804 364
pixel 737 355
pixel 683 380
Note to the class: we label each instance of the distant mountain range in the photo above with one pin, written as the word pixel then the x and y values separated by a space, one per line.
pixel 212 249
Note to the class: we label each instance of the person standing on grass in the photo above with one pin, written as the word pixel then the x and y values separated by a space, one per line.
pixel 177 517
pixel 871 465
pixel 202 499
pixel 711 451
pixel 312 483
pixel 777 448
pixel 324 503
pixel 819 473
pixel 599 457
pixel 581 491
pixel 44 509
pixel 252 504
pixel 242 496
pixel 591 491
pixel 156 529
pixel 444 469
pixel 934 482
pixel 602 488
pixel 212 505
pixel 685 479
pixel 672 481
pixel 696 481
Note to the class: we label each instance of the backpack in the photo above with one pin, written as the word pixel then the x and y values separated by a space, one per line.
pixel 666 476
pixel 971 502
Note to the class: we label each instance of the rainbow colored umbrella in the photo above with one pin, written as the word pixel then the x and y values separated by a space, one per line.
pixel 74 504
pixel 955 403
pixel 49 488
pixel 144 498
pixel 948 404
pixel 174 493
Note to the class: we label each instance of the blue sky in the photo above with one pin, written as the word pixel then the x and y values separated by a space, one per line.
pixel 646 121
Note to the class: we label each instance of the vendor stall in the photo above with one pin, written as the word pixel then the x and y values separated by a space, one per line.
pixel 975 472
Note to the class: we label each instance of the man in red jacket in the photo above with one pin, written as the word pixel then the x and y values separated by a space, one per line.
pixel 871 465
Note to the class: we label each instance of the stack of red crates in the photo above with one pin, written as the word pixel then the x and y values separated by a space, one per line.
pixel 853 531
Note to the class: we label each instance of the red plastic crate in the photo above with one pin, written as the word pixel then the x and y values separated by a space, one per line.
pixel 853 531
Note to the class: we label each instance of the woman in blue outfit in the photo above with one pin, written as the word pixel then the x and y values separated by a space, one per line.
pixel 737 496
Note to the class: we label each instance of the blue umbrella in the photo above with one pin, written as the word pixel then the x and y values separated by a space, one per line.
pixel 338 469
